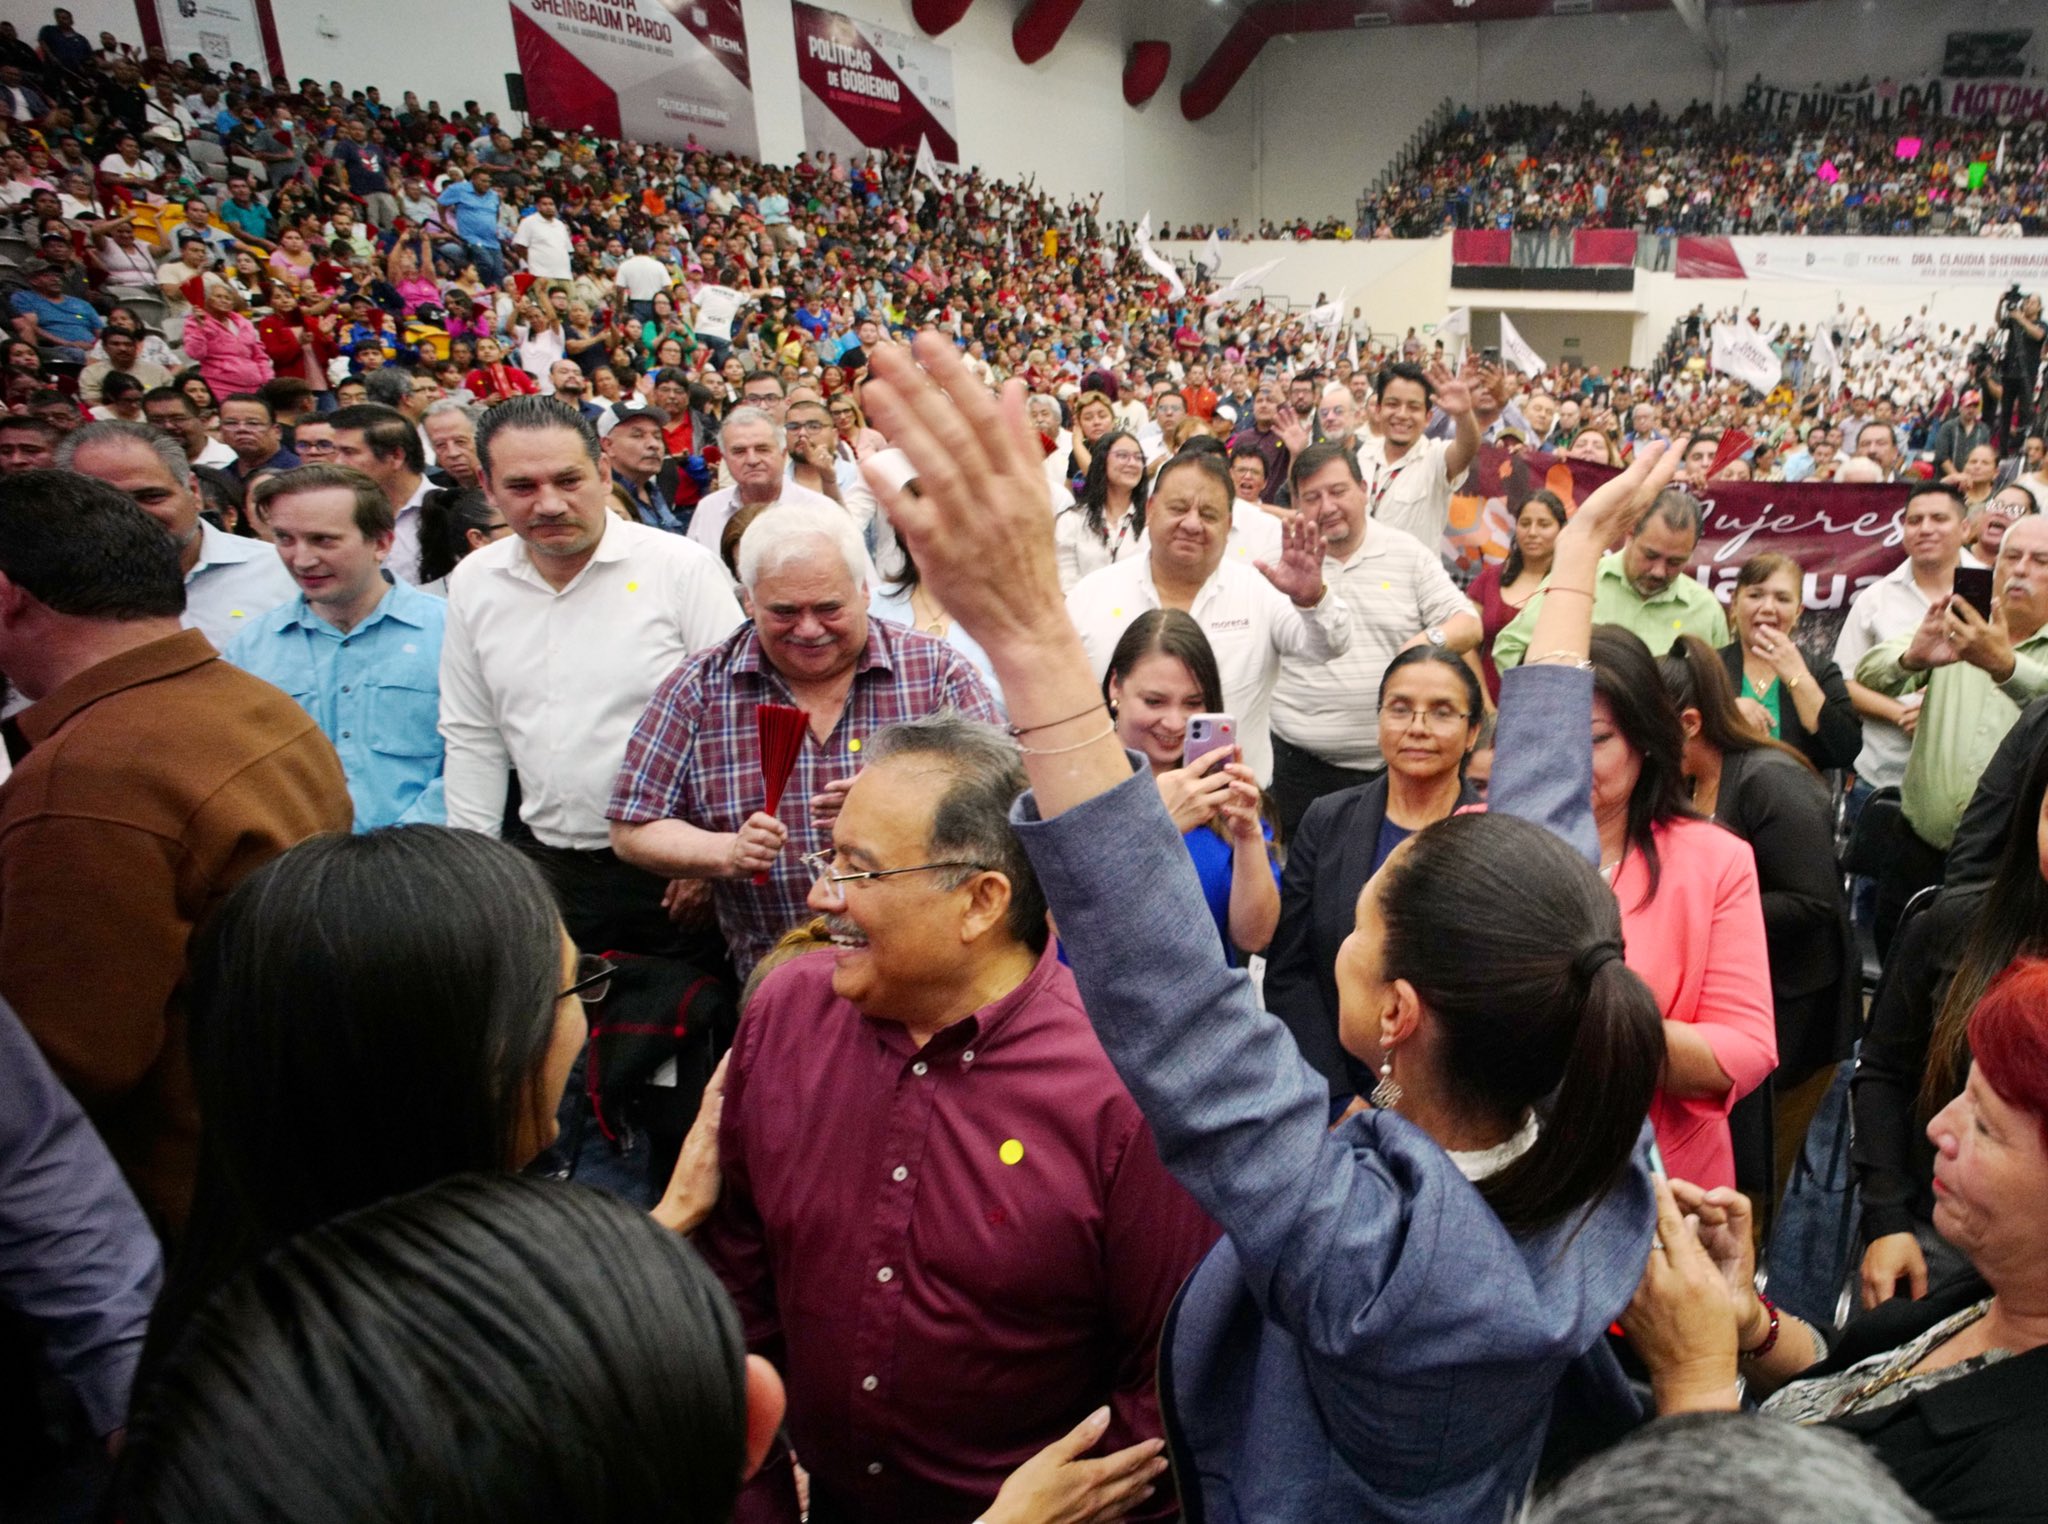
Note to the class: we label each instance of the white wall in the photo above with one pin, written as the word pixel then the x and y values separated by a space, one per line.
pixel 1396 285
pixel 448 50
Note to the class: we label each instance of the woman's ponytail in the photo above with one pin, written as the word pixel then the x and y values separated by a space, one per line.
pixel 1590 1125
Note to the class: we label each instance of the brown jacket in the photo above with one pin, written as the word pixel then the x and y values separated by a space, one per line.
pixel 154 782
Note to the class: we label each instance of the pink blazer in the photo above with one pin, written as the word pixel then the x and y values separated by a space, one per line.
pixel 1699 945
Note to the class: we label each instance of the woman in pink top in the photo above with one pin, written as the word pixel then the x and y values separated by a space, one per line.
pixel 225 345
pixel 1691 914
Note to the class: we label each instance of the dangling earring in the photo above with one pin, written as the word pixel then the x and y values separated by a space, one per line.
pixel 1386 1095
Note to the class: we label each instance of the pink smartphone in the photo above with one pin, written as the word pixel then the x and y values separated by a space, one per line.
pixel 1207 733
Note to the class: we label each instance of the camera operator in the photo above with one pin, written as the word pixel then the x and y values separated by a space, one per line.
pixel 2013 406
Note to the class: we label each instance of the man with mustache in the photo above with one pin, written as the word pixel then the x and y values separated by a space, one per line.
pixel 688 798
pixel 556 637
pixel 1977 673
pixel 993 1200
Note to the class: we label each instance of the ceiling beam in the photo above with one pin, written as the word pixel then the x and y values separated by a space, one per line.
pixel 1694 14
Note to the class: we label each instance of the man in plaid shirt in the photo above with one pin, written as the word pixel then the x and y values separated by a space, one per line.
pixel 688 800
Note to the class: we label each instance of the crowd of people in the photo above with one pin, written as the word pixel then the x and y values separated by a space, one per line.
pixel 788 837
pixel 1549 168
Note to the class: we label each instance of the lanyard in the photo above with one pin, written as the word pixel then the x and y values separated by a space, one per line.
pixel 1384 477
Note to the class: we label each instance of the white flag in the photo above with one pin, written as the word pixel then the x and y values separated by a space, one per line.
pixel 1211 259
pixel 1823 357
pixel 927 165
pixel 1155 260
pixel 1241 281
pixel 1740 351
pixel 1456 328
pixel 1516 351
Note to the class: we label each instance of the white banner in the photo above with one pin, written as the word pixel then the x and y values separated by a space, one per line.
pixel 1740 351
pixel 221 31
pixel 1992 262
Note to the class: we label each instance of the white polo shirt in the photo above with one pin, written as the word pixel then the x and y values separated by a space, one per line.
pixel 548 246
pixel 1250 623
pixel 1413 494
pixel 552 683
pixel 1395 589
pixel 234 583
pixel 1890 607
pixel 708 523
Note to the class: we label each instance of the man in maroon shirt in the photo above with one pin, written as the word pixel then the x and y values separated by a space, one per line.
pixel 943 1218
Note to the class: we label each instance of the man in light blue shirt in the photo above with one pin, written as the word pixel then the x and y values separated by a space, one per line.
pixel 361 653
pixel 476 207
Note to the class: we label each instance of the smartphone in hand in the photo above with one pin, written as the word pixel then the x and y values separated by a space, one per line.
pixel 1973 586
pixel 1207 733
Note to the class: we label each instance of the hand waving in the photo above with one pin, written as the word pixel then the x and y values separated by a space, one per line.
pixel 1292 431
pixel 980 524
pixel 1453 392
pixel 1299 571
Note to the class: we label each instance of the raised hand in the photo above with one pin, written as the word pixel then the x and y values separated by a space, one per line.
pixel 1613 508
pixel 1983 643
pixel 980 523
pixel 1292 431
pixel 1930 646
pixel 1453 392
pixel 1299 571
pixel 1783 653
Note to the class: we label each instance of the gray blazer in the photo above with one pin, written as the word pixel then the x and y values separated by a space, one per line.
pixel 1367 1343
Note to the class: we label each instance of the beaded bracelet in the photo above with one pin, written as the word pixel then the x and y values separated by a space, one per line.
pixel 1770 1339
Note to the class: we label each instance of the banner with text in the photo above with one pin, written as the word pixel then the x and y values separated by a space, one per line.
pixel 663 71
pixel 222 32
pixel 865 87
pixel 1927 262
pixel 1843 537
pixel 2003 100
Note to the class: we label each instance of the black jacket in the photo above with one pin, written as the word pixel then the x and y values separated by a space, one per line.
pixel 1981 833
pixel 1786 816
pixel 1970 1451
pixel 1840 736
pixel 1328 862
pixel 1893 1161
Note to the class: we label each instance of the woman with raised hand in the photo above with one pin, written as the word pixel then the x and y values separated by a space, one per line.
pixel 1805 705
pixel 1381 1333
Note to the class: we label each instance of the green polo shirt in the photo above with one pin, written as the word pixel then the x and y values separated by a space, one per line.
pixel 1683 608
pixel 1963 718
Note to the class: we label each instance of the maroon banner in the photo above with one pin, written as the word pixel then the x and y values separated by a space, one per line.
pixel 1843 537
pixel 1481 246
pixel 864 86
pixel 1709 259
pixel 1604 246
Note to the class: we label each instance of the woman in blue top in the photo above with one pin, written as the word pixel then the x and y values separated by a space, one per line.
pixel 1382 1332
pixel 1161 673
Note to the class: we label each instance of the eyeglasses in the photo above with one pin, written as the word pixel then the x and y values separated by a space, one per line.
pixel 820 866
pixel 808 426
pixel 593 978
pixel 1436 716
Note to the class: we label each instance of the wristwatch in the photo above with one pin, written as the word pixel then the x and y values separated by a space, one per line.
pixel 1435 636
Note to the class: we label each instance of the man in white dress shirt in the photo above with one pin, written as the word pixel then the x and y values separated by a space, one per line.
pixel 1252 617
pixel 1325 713
pixel 756 452
pixel 382 443
pixel 557 637
pixel 230 582
pixel 1408 478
